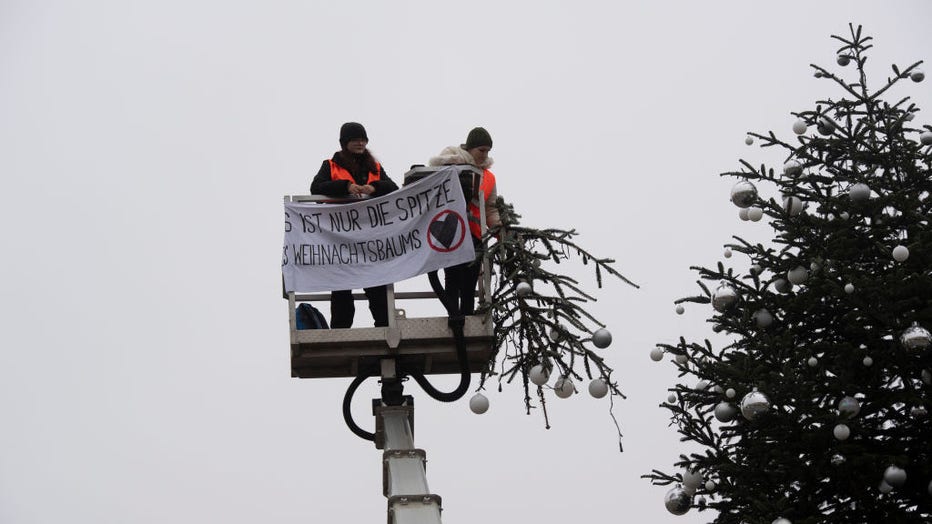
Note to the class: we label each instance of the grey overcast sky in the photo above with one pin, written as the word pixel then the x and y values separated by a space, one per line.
pixel 144 151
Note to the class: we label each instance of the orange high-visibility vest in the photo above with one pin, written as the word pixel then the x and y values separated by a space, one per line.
pixel 487 185
pixel 338 172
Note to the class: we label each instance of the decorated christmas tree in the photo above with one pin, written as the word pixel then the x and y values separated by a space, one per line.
pixel 812 404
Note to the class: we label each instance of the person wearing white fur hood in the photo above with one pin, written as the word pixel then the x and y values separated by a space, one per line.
pixel 460 280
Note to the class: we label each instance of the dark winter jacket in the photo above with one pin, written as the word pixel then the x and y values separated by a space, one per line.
pixel 323 184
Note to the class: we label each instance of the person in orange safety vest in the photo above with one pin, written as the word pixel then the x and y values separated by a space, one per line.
pixel 460 280
pixel 353 171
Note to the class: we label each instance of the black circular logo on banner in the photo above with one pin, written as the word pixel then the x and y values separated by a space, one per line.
pixel 448 229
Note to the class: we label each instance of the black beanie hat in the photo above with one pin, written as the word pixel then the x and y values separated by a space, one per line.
pixel 478 137
pixel 350 131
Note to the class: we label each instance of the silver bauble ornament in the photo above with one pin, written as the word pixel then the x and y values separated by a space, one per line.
pixel 724 412
pixel 743 214
pixel 743 194
pixel 792 168
pixel 884 487
pixel 844 215
pixel 812 362
pixel 598 388
pixel 679 309
pixel 554 335
pixel 763 318
pixel 781 520
pixel 859 192
pixel 925 138
pixel 523 289
pixel 755 269
pixel 563 387
pixel 755 213
pixel 709 486
pixel 538 375
pixel 671 398
pixel 701 385
pixel 900 253
pixel 748 140
pixel 730 393
pixel 825 127
pixel 727 253
pixel 754 404
pixel 868 361
pixel 848 407
pixel 792 205
pixel 656 354
pixel 677 501
pixel 916 337
pixel 692 479
pixel 843 60
pixel 782 286
pixel 841 432
pixel 799 126
pixel 798 275
pixel 724 297
pixel 479 404
pixel 849 288
pixel 895 476
pixel 602 338
pixel 681 359
pixel 917 75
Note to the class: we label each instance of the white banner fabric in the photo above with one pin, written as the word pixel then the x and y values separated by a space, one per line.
pixel 420 228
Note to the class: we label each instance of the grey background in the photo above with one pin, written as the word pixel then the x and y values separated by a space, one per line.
pixel 145 148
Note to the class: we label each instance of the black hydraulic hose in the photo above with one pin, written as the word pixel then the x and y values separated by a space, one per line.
pixel 457 322
pixel 348 415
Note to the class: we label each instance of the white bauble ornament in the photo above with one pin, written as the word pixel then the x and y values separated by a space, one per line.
pixel 727 253
pixel 917 75
pixel 755 269
pixel 709 486
pixel 792 168
pixel 926 377
pixel 754 404
pixel 843 60
pixel 916 337
pixel 848 407
pixel 730 393
pixel 868 361
pixel 725 412
pixel 743 214
pixel 724 297
pixel 656 354
pixel 602 338
pixel 812 362
pixel 844 215
pixel 799 126
pixel 598 388
pixel 792 205
pixel 563 387
pixel 479 404
pixel 798 275
pixel 884 487
pixel 782 286
pixel 926 138
pixel 849 288
pixel 763 318
pixel 538 375
pixel 523 289
pixel 692 479
pixel 554 335
pixel 681 359
pixel 743 194
pixel 680 309
pixel 859 192
pixel 841 432
pixel 677 501
pixel 701 385
pixel 900 253
pixel 895 476
pixel 748 140
pixel 781 520
pixel 755 213
pixel 671 398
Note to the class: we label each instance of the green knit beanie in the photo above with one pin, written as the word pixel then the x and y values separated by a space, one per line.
pixel 478 137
